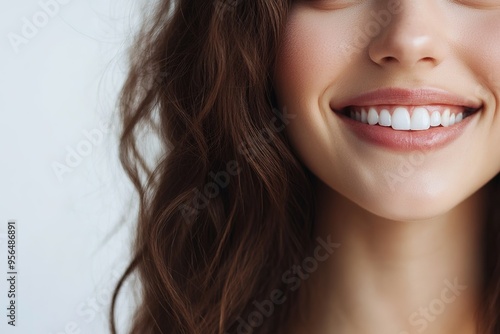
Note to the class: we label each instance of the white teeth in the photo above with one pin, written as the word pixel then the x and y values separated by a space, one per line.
pixel 436 119
pixel 364 116
pixel 445 118
pixel 372 116
pixel 452 119
pixel 385 118
pixel 401 119
pixel 420 119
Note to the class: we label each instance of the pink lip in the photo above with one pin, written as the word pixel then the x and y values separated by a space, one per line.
pixel 407 97
pixel 433 138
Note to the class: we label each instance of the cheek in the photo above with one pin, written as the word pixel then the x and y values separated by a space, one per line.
pixel 305 68
pixel 480 45
pixel 485 40
pixel 309 64
pixel 310 58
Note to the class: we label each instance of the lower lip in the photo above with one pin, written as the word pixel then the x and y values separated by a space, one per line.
pixel 385 136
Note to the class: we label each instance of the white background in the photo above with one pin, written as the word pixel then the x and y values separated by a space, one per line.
pixel 72 240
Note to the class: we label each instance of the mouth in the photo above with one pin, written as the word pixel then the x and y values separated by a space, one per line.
pixel 408 128
pixel 409 118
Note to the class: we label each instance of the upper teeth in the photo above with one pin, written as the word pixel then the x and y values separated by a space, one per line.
pixel 421 118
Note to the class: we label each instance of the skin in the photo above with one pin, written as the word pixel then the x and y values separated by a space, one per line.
pixel 401 238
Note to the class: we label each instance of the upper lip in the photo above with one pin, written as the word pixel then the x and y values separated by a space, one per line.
pixel 407 97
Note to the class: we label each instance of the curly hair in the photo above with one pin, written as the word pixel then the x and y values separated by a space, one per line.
pixel 227 207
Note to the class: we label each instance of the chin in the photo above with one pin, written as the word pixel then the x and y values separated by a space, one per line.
pixel 413 201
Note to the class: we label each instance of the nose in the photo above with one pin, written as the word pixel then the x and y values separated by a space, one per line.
pixel 413 37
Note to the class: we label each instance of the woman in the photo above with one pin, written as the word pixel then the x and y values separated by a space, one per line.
pixel 328 166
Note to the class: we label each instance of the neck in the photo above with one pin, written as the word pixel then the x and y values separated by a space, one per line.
pixel 396 277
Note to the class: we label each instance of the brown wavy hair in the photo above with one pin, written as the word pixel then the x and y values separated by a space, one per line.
pixel 226 207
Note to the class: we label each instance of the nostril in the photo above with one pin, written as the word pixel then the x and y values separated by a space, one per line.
pixel 390 59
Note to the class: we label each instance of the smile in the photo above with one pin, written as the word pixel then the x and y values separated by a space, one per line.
pixel 409 117
pixel 401 119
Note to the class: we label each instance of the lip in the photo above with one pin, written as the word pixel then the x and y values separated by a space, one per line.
pixel 407 97
pixel 407 140
pixel 433 138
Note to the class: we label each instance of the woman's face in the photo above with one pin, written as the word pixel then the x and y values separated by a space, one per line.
pixel 401 65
